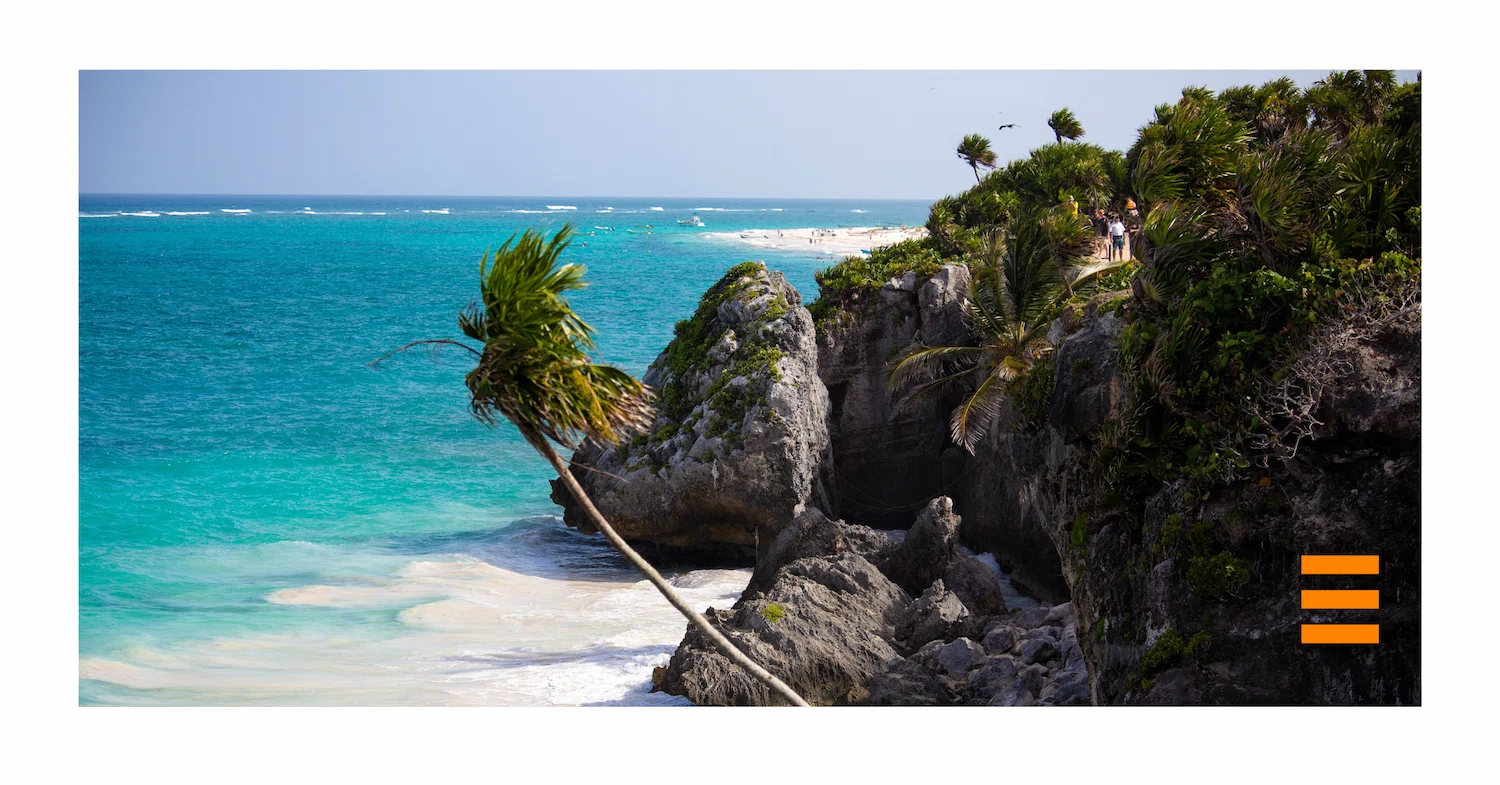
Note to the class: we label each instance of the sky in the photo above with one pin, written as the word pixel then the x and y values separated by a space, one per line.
pixel 747 134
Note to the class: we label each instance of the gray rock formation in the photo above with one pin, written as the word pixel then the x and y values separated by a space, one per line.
pixel 931 551
pixel 1190 595
pixel 824 627
pixel 822 613
pixel 887 458
pixel 741 441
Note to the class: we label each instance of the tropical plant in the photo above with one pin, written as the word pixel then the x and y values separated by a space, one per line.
pixel 534 370
pixel 1065 125
pixel 975 151
pixel 1263 208
pixel 1015 290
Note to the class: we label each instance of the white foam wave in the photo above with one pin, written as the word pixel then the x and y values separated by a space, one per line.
pixel 859 211
pixel 531 211
pixel 474 634
pixel 235 210
pixel 142 214
pixel 98 215
pixel 189 212
pixel 561 207
pixel 656 209
pixel 379 213
pixel 442 211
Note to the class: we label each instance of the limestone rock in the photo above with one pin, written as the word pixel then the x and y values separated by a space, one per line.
pixel 937 615
pixel 741 440
pixel 827 637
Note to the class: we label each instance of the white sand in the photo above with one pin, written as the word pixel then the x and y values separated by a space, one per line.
pixel 845 241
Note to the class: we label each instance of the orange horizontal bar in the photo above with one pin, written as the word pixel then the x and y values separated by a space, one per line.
pixel 1340 599
pixel 1341 633
pixel 1340 565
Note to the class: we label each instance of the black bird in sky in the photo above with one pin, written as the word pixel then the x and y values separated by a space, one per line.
pixel 1007 125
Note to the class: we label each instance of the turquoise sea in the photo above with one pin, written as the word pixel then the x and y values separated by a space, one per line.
pixel 264 519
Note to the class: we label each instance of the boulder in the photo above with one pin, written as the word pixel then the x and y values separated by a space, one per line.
pixel 823 626
pixel 1037 650
pixel 1000 639
pixel 992 678
pixel 741 440
pixel 929 546
pixel 908 683
pixel 959 657
pixel 810 534
pixel 937 615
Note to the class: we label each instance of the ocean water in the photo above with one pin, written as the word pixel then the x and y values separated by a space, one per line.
pixel 264 519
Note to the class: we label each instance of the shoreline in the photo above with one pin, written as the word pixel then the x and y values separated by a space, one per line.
pixel 845 241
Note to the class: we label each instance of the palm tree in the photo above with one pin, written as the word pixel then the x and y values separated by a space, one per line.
pixel 535 371
pixel 976 152
pixel 1014 292
pixel 1064 124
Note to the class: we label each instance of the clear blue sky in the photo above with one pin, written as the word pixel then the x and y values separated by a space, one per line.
pixel 865 134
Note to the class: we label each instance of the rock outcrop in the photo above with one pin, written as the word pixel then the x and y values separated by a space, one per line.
pixel 890 460
pixel 824 613
pixel 886 457
pixel 1192 596
pixel 741 440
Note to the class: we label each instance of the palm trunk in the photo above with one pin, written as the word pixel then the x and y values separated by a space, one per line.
pixel 695 618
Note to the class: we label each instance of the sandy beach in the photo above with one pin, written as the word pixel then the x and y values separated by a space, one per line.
pixel 844 241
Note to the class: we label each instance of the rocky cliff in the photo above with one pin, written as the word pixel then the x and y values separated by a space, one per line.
pixel 886 458
pixel 1193 594
pixel 829 611
pixel 1174 593
pixel 740 442
pixel 890 460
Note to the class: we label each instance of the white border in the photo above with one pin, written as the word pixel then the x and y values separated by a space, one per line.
pixel 53 740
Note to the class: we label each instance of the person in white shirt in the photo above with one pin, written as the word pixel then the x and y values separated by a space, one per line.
pixel 1117 239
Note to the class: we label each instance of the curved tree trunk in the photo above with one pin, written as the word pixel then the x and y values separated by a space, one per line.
pixel 720 642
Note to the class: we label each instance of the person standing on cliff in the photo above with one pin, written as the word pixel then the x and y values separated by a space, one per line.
pixel 1117 239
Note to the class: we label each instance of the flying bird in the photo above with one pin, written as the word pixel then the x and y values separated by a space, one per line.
pixel 1007 125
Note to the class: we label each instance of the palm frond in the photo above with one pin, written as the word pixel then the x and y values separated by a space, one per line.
pixel 971 420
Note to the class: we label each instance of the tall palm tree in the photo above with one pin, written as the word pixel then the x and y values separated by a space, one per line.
pixel 1065 125
pixel 534 370
pixel 976 152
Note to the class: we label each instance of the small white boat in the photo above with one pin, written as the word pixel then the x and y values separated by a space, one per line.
pixel 695 222
pixel 605 228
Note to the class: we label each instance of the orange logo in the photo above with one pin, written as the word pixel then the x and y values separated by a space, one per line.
pixel 1340 599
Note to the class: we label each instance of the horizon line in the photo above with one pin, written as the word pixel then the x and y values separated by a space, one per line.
pixel 512 196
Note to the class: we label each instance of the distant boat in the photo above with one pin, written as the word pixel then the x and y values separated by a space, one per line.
pixel 605 228
pixel 695 222
pixel 639 231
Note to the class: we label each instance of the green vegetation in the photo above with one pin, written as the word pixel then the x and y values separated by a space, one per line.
pixel 1216 577
pixel 1021 276
pixel 687 354
pixel 1269 214
pixel 1078 535
pixel 1031 393
pixel 841 283
pixel 1065 125
pixel 534 369
pixel 975 151
pixel 1170 649
pixel 773 612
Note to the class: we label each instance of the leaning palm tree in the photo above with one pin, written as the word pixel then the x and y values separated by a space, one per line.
pixel 976 152
pixel 1016 288
pixel 535 371
pixel 1064 124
